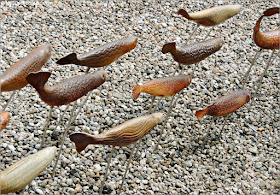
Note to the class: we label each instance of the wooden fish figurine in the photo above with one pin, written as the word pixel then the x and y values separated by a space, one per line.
pixel 4 119
pixel 17 176
pixel 103 55
pixel 270 39
pixel 226 104
pixel 163 87
pixel 122 135
pixel 212 16
pixel 193 53
pixel 15 76
pixel 67 90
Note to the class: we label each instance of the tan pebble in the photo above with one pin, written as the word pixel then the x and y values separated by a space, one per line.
pixel 20 8
pixel 74 151
pixel 215 70
pixel 261 129
pixel 168 162
pixel 96 171
pixel 78 188
pixel 203 98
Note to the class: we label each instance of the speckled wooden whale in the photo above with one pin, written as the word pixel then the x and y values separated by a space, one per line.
pixel 122 135
pixel 226 104
pixel 15 76
pixel 269 39
pixel 193 53
pixel 212 16
pixel 103 55
pixel 67 90
pixel 163 87
pixel 17 176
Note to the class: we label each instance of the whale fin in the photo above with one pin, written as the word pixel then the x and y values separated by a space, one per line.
pixel 136 91
pixel 81 140
pixel 38 79
pixel 200 113
pixel 69 59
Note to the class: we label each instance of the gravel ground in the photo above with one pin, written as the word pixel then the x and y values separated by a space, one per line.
pixel 244 161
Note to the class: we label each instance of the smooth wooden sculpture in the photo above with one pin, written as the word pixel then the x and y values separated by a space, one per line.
pixel 269 39
pixel 4 119
pixel 122 135
pixel 226 104
pixel 163 87
pixel 17 176
pixel 212 16
pixel 15 76
pixel 103 55
pixel 193 53
pixel 66 91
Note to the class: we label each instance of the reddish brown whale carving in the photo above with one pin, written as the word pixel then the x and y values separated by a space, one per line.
pixel 226 104
pixel 270 39
pixel 15 76
pixel 66 91
pixel 103 55
pixel 163 87
pixel 4 119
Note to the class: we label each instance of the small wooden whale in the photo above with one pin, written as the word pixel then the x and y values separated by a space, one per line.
pixel 163 87
pixel 193 53
pixel 122 135
pixel 270 39
pixel 17 176
pixel 103 55
pixel 15 76
pixel 226 104
pixel 67 90
pixel 4 119
pixel 212 16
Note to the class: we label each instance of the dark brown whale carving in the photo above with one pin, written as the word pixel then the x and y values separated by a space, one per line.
pixel 226 104
pixel 193 53
pixel 67 90
pixel 103 55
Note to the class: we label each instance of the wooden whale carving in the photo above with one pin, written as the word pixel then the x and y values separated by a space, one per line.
pixel 193 53
pixel 212 16
pixel 15 76
pixel 122 135
pixel 67 90
pixel 17 176
pixel 269 39
pixel 226 104
pixel 103 55
pixel 163 87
